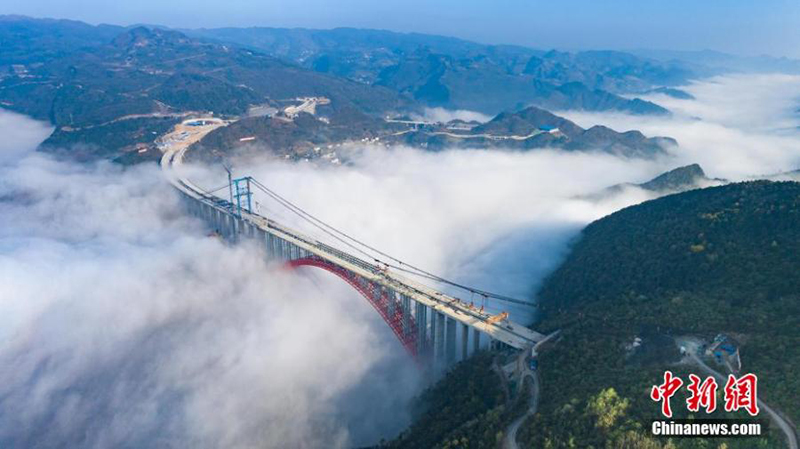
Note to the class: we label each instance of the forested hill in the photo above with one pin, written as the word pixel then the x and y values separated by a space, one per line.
pixel 717 260
pixel 739 244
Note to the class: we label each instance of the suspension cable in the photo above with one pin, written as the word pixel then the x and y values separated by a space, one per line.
pixel 411 269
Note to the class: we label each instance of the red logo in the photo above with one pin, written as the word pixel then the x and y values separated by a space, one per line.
pixel 739 393
pixel 704 394
pixel 665 391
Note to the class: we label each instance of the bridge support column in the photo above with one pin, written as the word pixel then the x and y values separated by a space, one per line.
pixel 450 342
pixel 438 341
pixel 220 226
pixel 230 228
pixel 204 214
pixel 223 224
pixel 390 300
pixel 261 236
pixel 277 244
pixel 464 341
pixel 237 228
pixel 406 305
pixel 268 245
pixel 422 328
pixel 476 340
pixel 284 249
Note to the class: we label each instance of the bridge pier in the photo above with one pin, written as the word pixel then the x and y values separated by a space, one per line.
pixel 422 331
pixel 464 341
pixel 450 342
pixel 437 325
pixel 277 243
pixel 230 228
pixel 284 254
pixel 392 303
pixel 209 213
pixel 406 307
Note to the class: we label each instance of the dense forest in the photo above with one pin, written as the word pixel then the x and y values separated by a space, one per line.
pixel 723 259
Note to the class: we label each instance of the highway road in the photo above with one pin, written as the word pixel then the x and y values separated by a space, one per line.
pixel 510 438
pixel 485 136
pixel 786 428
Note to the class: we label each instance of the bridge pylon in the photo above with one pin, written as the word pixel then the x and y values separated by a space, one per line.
pixel 242 195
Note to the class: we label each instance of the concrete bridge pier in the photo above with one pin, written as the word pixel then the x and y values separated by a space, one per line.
pixel 437 328
pixel 230 228
pixel 450 342
pixel 391 305
pixel 277 251
pixel 421 315
pixel 464 341
pixel 265 240
pixel 406 305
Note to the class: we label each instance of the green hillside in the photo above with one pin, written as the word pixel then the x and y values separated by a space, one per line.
pixel 722 259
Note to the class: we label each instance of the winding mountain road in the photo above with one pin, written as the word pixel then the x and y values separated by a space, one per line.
pixel 786 428
pixel 510 438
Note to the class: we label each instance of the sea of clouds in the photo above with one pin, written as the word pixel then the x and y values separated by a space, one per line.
pixel 123 323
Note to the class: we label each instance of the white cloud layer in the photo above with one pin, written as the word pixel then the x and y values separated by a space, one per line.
pixel 738 127
pixel 122 324
pixel 443 115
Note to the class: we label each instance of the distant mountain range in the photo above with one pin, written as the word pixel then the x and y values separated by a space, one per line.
pixel 111 90
pixel 710 62
pixel 458 74
pixel 109 94
pixel 311 137
pixel 536 128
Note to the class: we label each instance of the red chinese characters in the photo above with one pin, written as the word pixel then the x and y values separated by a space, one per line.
pixel 704 394
pixel 665 391
pixel 742 393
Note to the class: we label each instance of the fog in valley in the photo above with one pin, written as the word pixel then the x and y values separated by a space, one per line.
pixel 123 322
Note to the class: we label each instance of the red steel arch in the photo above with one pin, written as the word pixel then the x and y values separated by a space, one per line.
pixel 389 308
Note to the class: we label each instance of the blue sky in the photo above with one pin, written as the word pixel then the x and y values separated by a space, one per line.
pixel 742 27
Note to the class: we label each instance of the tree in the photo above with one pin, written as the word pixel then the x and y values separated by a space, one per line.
pixel 607 407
